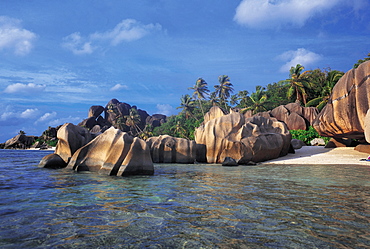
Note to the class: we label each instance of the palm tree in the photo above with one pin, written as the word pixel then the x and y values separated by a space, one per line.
pixel 331 79
pixel 200 90
pixel 187 106
pixel 224 88
pixel 133 119
pixel 258 98
pixel 298 83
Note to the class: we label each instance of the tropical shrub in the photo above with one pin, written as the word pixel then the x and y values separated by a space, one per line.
pixel 307 136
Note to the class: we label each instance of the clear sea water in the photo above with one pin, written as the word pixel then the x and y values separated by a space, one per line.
pixel 183 206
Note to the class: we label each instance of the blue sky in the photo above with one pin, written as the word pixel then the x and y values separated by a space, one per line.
pixel 60 57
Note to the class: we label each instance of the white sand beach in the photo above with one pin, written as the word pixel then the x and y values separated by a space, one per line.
pixel 321 155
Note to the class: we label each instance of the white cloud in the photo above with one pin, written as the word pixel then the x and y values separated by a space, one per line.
pixel 47 116
pixel 299 56
pixel 61 121
pixel 165 109
pixel 14 116
pixel 77 44
pixel 277 13
pixel 118 87
pixel 29 113
pixel 24 88
pixel 126 31
pixel 14 37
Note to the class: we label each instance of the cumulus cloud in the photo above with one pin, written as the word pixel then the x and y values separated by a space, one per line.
pixel 277 13
pixel 24 88
pixel 126 31
pixel 77 44
pixel 29 113
pixel 299 56
pixel 18 116
pixel 61 121
pixel 165 109
pixel 15 38
pixel 46 116
pixel 118 87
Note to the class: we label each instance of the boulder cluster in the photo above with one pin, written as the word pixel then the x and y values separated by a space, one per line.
pixel 295 116
pixel 221 136
pixel 115 114
pixel 247 140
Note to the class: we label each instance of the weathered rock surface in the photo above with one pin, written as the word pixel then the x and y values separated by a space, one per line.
pixel 167 149
pixel 95 111
pixel 52 161
pixel 253 139
pixel 20 141
pixel 229 162
pixel 114 153
pixel 297 144
pixel 344 115
pixel 71 138
pixel 156 120
pixel 295 116
pixel 367 126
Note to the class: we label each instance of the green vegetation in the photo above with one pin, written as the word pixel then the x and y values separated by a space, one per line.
pixel 307 136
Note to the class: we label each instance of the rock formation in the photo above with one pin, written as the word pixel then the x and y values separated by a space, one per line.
pixel 114 153
pixel 20 141
pixel 115 113
pixel 167 149
pixel 71 138
pixel 252 139
pixel 344 115
pixel 295 116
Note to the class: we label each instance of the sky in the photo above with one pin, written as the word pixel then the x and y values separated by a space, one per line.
pixel 58 58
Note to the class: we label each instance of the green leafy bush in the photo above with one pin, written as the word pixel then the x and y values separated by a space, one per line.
pixel 307 136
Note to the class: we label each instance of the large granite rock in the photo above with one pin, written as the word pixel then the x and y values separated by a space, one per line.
pixel 156 120
pixel 344 115
pixel 95 111
pixel 114 153
pixel 71 138
pixel 20 141
pixel 295 116
pixel 367 126
pixel 52 161
pixel 167 149
pixel 246 140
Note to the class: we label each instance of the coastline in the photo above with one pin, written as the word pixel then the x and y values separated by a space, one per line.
pixel 48 149
pixel 315 155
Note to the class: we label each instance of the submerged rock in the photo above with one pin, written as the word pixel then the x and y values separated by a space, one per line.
pixel 229 162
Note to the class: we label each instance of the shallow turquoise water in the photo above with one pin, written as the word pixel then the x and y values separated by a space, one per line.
pixel 183 206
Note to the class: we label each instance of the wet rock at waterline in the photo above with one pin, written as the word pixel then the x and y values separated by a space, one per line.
pixel 167 149
pixel 253 139
pixel 71 138
pixel 114 153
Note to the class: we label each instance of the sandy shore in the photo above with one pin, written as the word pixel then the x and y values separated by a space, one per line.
pixel 323 156
pixel 51 149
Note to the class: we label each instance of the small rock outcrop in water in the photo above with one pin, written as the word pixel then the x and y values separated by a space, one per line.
pixel 20 141
pixel 71 138
pixel 253 139
pixel 167 149
pixel 344 115
pixel 112 153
